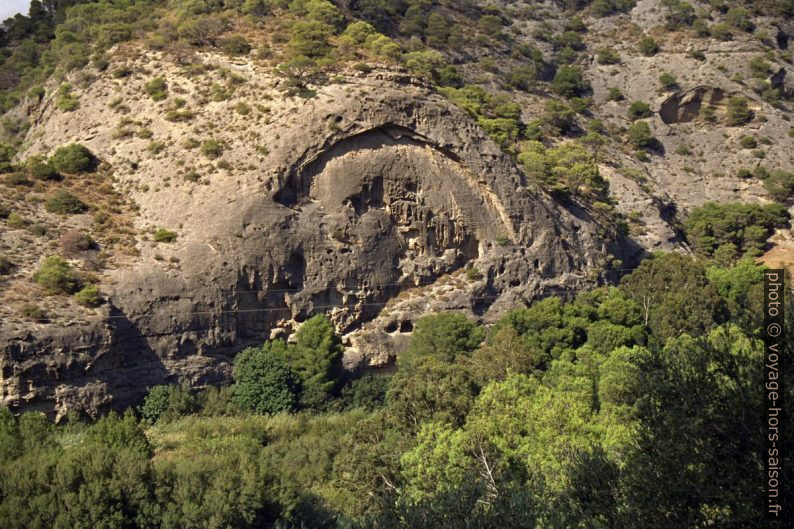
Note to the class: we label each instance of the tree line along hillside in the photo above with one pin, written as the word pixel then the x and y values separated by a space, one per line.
pixel 629 406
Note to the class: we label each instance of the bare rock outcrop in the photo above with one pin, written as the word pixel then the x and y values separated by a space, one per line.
pixel 378 202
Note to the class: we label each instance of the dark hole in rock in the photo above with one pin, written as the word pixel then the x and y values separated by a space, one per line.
pixel 391 327
pixel 782 40
pixel 406 326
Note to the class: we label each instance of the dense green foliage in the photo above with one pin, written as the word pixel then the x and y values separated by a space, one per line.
pixel 727 231
pixel 56 276
pixel 264 382
pixel 65 203
pixel 74 158
pixel 580 413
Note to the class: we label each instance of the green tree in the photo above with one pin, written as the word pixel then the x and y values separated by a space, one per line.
pixel 56 276
pixel 738 112
pixel 317 359
pixel 639 110
pixel 263 381
pixel 74 158
pixel 445 336
pixel 309 39
pixel 648 46
pixel 569 82
pixel 675 296
pixel 640 135
pixel 431 390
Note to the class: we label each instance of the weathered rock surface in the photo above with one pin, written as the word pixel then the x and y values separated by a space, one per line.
pixel 378 202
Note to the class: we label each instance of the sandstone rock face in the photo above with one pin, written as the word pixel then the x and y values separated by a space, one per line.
pixel 378 202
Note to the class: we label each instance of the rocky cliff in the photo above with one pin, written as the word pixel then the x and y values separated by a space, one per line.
pixel 376 201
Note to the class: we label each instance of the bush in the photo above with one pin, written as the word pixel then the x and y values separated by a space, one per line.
pixel 89 297
pixel 738 112
pixel 236 45
pixel 668 81
pixel 263 382
pixel 640 136
pixel 167 403
pixel 780 185
pixel 74 243
pixel 157 89
pixel 18 180
pixel 748 142
pixel 66 100
pixel 212 149
pixel 368 392
pixel 648 46
pixel 34 313
pixel 43 170
pixel 615 94
pixel 608 56
pixel 721 32
pixel 65 203
pixel 569 82
pixel 7 154
pixel 639 110
pixel 73 158
pixel 309 39
pixel 739 18
pixel 164 235
pixel 56 276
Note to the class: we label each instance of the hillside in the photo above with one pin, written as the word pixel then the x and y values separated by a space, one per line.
pixel 401 264
pixel 218 136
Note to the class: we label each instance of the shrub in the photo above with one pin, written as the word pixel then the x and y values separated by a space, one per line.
pixel 648 46
pixel 738 112
pixel 18 180
pixel 615 94
pixel 739 18
pixel 668 81
pixel 179 116
pixel 780 185
pixel 236 45
pixel 721 32
pixel 640 136
pixel 7 154
pixel 309 39
pixel 74 243
pixel 157 89
pixel 56 276
pixel 212 149
pixel 748 142
pixel 608 56
pixel 263 382
pixel 74 158
pixel 569 81
pixel 164 235
pixel 89 297
pixel 639 110
pixel 368 392
pixel 65 203
pixel 683 149
pixel 34 313
pixel 15 221
pixel 43 170
pixel 66 100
